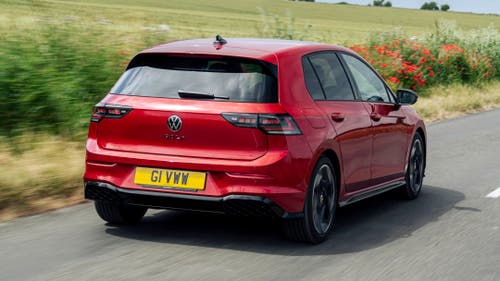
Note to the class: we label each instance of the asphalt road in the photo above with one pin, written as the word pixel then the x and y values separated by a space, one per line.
pixel 451 232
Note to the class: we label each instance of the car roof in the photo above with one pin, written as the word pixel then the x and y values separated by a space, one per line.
pixel 264 49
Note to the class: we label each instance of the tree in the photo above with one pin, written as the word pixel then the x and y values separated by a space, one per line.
pixel 445 7
pixel 430 6
pixel 382 3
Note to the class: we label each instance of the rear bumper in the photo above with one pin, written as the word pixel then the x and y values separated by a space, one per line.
pixel 278 176
pixel 239 205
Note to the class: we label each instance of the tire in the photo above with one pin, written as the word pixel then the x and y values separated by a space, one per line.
pixel 119 214
pixel 415 169
pixel 319 208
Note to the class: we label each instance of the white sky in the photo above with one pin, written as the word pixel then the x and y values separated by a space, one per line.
pixel 475 6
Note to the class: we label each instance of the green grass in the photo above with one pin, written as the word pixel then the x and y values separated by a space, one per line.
pixel 202 18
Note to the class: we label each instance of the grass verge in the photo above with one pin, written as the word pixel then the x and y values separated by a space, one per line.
pixel 46 174
pixel 39 173
pixel 444 102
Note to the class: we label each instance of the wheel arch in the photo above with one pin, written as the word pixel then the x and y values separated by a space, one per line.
pixel 422 134
pixel 333 157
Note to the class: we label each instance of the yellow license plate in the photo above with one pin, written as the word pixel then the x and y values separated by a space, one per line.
pixel 167 178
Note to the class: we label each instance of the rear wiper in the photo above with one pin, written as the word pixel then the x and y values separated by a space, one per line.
pixel 197 95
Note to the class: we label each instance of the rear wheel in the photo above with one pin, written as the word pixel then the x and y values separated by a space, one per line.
pixel 119 214
pixel 319 208
pixel 415 169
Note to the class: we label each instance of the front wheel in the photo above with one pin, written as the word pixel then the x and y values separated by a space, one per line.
pixel 119 214
pixel 319 208
pixel 415 169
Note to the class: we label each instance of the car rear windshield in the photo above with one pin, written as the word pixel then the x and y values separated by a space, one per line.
pixel 234 79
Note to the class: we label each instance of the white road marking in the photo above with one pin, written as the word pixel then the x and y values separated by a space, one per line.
pixel 494 194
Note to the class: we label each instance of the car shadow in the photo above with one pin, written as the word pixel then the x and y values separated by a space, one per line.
pixel 361 226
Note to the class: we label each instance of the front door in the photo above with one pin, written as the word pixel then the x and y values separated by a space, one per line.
pixel 388 130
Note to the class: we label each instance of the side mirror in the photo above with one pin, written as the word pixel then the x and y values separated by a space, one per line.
pixel 406 96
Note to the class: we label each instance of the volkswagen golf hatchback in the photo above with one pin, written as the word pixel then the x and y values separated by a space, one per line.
pixel 251 127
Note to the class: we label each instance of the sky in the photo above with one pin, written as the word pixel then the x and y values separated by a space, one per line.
pixel 475 6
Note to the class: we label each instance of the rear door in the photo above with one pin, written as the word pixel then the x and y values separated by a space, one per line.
pixel 329 86
pixel 161 122
pixel 389 131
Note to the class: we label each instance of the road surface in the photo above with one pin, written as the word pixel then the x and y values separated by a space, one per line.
pixel 451 232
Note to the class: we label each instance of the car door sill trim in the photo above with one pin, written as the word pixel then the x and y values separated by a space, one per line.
pixel 371 192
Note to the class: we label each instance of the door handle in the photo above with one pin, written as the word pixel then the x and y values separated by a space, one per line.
pixel 375 116
pixel 338 117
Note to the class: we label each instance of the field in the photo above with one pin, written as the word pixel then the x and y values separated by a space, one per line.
pixel 60 57
pixel 341 24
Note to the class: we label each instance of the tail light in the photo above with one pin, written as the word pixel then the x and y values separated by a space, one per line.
pixel 273 124
pixel 109 111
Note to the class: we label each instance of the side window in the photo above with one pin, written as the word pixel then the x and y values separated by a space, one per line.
pixel 332 76
pixel 370 87
pixel 312 83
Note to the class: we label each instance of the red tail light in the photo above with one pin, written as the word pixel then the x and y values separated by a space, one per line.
pixel 109 111
pixel 273 124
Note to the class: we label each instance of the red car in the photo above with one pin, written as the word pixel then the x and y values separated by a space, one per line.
pixel 254 127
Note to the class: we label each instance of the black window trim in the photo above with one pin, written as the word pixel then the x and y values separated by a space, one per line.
pixel 334 52
pixel 269 68
pixel 306 58
pixel 351 77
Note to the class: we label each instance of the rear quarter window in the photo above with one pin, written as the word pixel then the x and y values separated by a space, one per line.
pixel 162 75
pixel 312 82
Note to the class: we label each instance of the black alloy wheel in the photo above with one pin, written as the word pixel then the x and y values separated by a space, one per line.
pixel 415 169
pixel 323 199
pixel 320 206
